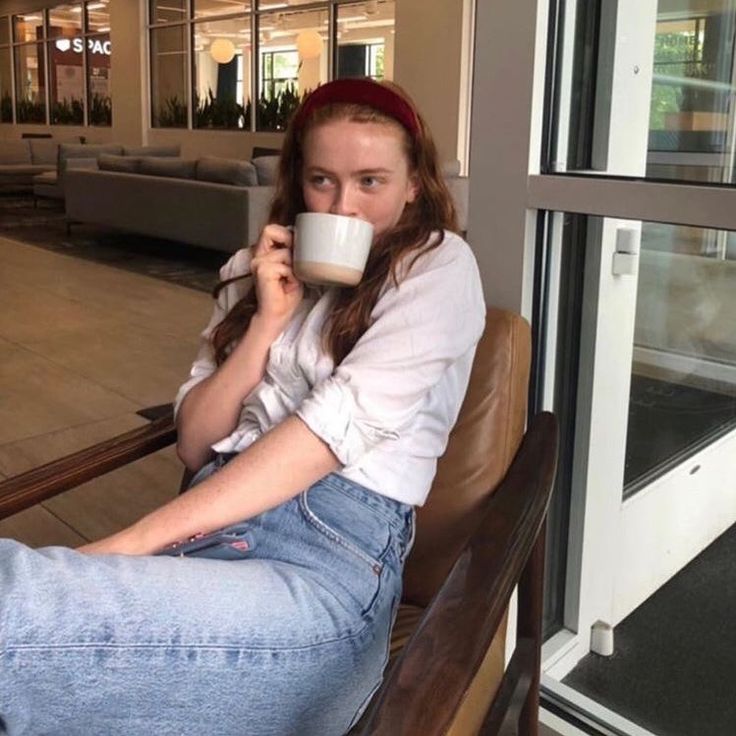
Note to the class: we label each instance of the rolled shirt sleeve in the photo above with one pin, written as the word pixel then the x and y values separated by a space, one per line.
pixel 421 332
pixel 204 364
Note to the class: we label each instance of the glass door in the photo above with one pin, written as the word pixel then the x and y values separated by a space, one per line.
pixel 622 209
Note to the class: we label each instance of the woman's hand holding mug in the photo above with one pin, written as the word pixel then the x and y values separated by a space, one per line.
pixel 279 291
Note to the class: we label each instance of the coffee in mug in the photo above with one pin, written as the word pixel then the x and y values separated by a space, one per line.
pixel 331 249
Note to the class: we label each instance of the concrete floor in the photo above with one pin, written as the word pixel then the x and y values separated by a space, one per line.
pixel 83 347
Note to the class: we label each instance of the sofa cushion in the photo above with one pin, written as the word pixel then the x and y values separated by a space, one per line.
pixel 227 171
pixel 178 168
pixel 24 169
pixel 267 168
pixel 81 163
pixel 47 177
pixel 87 150
pixel 44 151
pixel 111 162
pixel 173 150
pixel 15 152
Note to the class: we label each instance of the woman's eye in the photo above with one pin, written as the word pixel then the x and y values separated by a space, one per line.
pixel 319 181
pixel 369 182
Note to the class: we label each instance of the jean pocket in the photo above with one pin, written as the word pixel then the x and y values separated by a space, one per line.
pixel 231 543
pixel 347 522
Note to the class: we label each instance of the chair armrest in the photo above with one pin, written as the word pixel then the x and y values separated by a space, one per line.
pixel 430 678
pixel 32 487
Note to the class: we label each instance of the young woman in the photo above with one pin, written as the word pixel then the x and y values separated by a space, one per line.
pixel 314 417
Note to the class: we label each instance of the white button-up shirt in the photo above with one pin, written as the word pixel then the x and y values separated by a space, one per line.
pixel 387 409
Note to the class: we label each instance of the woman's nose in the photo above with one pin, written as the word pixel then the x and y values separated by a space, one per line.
pixel 345 202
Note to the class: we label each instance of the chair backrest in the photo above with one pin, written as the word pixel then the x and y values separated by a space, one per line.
pixel 468 472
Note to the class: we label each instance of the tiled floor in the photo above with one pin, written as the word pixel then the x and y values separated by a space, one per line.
pixel 83 347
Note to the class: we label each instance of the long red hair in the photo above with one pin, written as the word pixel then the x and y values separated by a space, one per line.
pixel 431 212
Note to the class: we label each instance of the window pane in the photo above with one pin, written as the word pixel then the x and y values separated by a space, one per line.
pixel 29 86
pixel 168 11
pixel 683 389
pixel 365 39
pixel 206 8
pixel 66 76
pixel 169 77
pixel 28 27
pixel 6 89
pixel 99 54
pixel 665 80
pixel 98 16
pixel 4 30
pixel 293 61
pixel 222 74
pixel 65 21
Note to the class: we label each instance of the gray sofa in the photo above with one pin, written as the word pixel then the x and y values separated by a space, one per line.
pixel 22 160
pixel 210 202
pixel 50 184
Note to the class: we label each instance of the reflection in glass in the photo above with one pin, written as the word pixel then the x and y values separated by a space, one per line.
pixel 66 81
pixel 207 8
pixel 168 11
pixel 683 389
pixel 222 74
pixel 65 21
pixel 6 87
pixel 681 57
pixel 365 39
pixel 99 62
pixel 169 77
pixel 293 60
pixel 98 16
pixel 4 30
pixel 29 85
pixel 66 71
pixel 28 27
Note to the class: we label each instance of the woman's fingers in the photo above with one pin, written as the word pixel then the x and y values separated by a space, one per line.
pixel 273 238
pixel 280 255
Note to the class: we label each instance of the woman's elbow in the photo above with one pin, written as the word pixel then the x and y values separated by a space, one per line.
pixel 190 456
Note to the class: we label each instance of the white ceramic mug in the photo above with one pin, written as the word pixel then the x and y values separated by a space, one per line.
pixel 331 249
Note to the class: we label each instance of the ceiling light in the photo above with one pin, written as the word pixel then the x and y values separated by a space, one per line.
pixel 309 44
pixel 222 50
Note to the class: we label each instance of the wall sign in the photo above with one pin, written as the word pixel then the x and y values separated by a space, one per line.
pixel 77 45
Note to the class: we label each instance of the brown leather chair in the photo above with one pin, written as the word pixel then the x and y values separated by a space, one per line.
pixel 476 538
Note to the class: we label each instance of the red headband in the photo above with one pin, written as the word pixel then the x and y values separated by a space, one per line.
pixel 359 92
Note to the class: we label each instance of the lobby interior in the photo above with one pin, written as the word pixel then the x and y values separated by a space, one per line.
pixel 96 327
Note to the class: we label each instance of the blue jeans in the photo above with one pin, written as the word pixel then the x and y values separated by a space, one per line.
pixel 292 639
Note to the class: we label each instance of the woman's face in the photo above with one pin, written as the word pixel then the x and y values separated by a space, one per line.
pixel 359 170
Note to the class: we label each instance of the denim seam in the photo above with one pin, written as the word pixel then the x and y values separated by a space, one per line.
pixel 375 563
pixel 187 647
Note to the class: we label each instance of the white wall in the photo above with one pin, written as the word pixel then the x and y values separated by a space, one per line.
pixel 428 54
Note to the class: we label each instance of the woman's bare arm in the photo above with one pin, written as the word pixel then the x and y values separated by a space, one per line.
pixel 285 461
pixel 210 411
